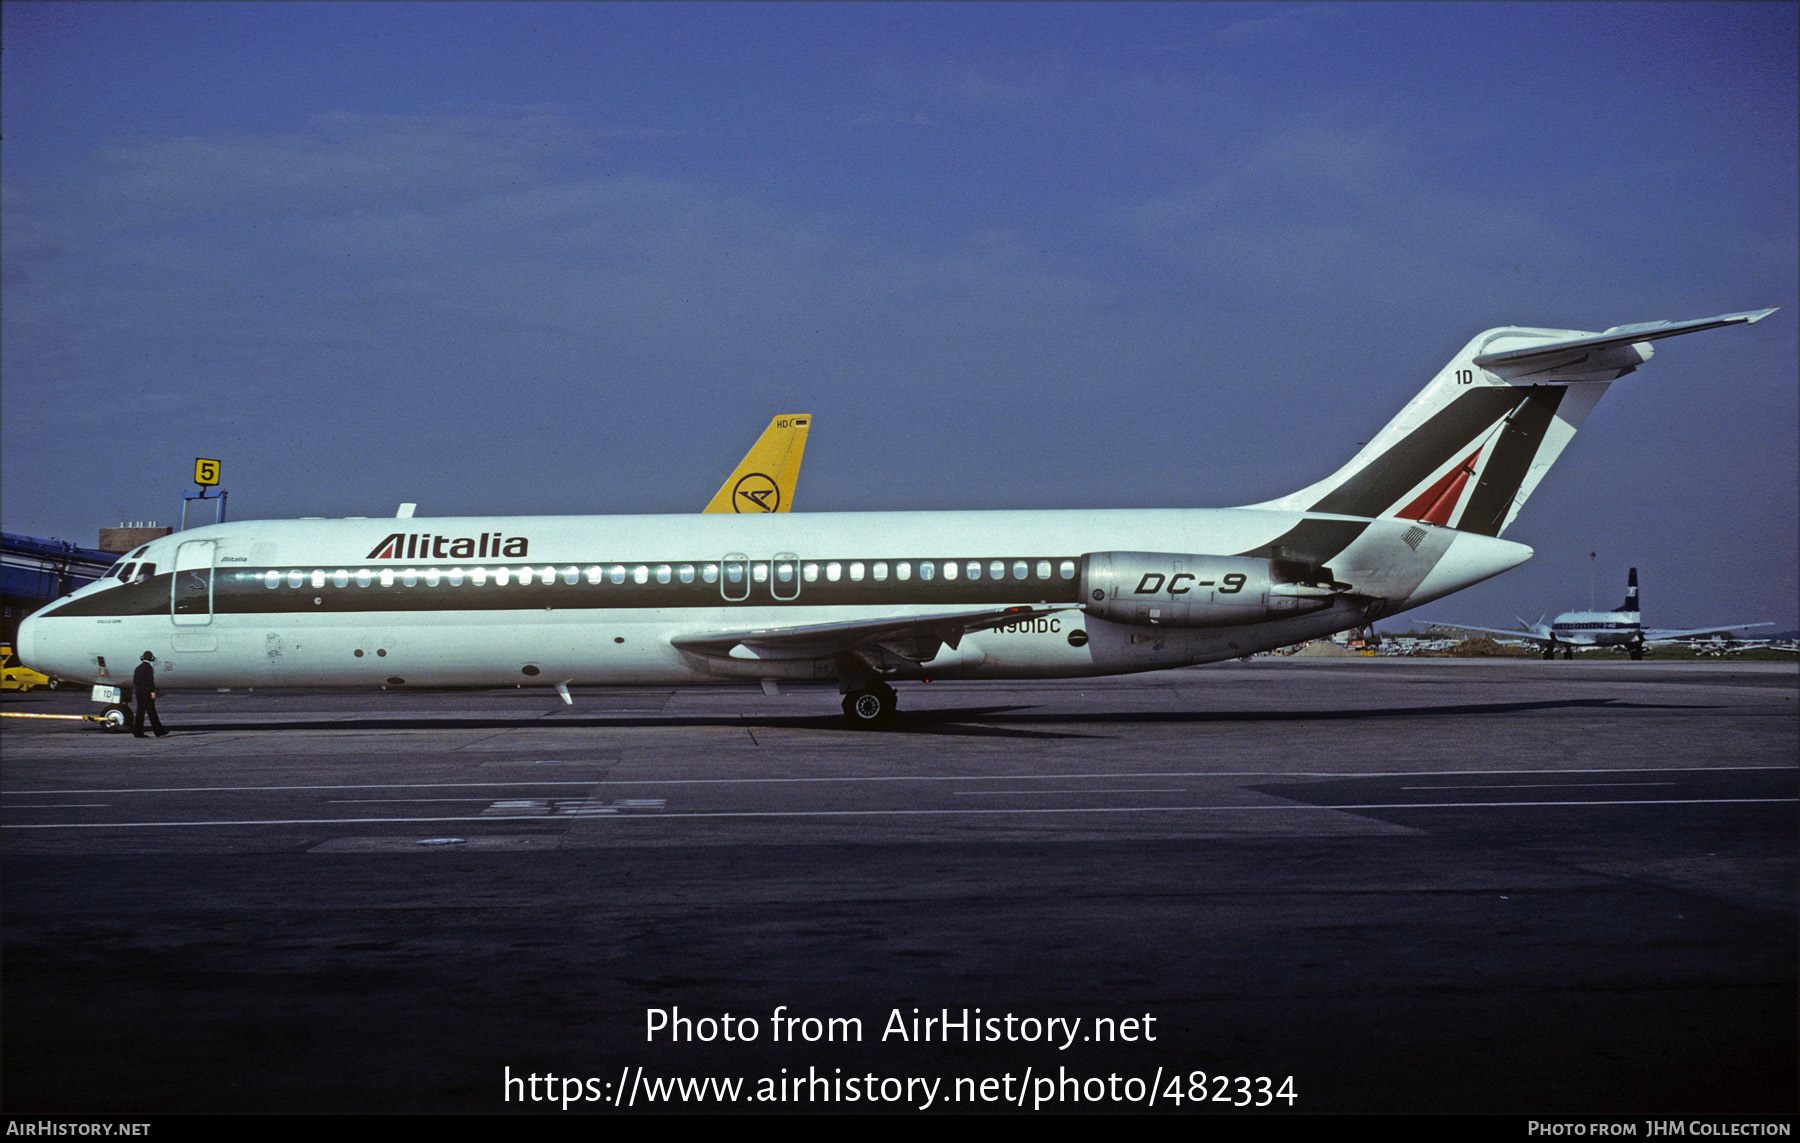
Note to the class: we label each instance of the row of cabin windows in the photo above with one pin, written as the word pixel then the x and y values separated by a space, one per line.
pixel 834 571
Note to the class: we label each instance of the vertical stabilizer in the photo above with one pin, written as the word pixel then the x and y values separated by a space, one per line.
pixel 1474 444
pixel 764 481
pixel 1631 597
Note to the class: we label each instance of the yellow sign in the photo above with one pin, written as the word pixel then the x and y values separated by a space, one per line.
pixel 206 472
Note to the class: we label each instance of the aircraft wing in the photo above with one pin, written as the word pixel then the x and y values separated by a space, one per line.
pixel 1513 633
pixel 916 638
pixel 1558 354
pixel 1659 636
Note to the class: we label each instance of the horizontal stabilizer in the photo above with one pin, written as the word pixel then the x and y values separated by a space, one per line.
pixel 1559 354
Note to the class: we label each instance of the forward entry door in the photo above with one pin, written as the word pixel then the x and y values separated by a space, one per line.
pixel 191 599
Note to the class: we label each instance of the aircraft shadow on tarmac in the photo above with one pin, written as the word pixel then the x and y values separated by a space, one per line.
pixel 976 721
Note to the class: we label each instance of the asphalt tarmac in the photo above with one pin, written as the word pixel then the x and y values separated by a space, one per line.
pixel 1506 886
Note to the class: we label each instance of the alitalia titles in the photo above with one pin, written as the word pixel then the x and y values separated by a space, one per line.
pixel 427 546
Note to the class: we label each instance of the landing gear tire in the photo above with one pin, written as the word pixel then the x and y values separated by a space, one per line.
pixel 1550 652
pixel 117 719
pixel 1568 652
pixel 1637 653
pixel 870 709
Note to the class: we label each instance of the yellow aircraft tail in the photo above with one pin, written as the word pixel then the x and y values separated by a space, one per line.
pixel 764 481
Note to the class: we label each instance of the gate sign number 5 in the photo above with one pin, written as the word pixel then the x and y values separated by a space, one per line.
pixel 206 472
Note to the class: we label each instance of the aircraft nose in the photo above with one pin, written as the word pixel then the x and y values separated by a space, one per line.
pixel 25 643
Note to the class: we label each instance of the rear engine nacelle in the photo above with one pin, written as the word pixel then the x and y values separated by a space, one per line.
pixel 1163 589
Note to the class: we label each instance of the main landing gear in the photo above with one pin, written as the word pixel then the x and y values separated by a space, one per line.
pixel 870 707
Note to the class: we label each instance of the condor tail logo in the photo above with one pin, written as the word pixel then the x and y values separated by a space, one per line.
pixel 427 546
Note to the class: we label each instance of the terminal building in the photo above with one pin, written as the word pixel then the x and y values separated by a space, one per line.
pixel 35 571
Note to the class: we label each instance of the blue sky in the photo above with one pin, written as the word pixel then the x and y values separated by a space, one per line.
pixel 555 258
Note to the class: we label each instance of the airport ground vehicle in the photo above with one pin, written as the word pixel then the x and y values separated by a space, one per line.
pixel 15 676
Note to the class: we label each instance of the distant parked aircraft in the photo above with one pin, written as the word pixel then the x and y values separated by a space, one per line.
pixel 1617 628
pixel 765 481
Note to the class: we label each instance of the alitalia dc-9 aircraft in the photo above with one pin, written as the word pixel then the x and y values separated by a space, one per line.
pixel 860 598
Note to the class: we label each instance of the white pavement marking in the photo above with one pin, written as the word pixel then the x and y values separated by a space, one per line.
pixel 1335 774
pixel 949 811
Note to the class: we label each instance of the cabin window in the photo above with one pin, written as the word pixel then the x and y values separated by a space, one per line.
pixel 456 577
pixel 318 577
pixel 759 572
pixel 1021 569
pixel 387 577
pixel 879 570
pixel 710 573
pixel 478 577
pixel 810 572
pixel 525 575
pixel 997 569
pixel 410 577
pixel 833 571
pixel 640 574
pixel 502 576
pixel 296 578
pixel 618 573
pixel 949 569
pixel 856 572
pixel 974 569
pixel 595 574
pixel 272 579
pixel 784 571
pixel 1043 569
pixel 1067 570
pixel 663 573
pixel 686 574
pixel 903 570
pixel 926 569
pixel 340 578
pixel 432 576
pixel 364 577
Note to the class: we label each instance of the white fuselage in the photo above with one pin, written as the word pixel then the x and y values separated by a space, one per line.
pixel 1596 629
pixel 589 600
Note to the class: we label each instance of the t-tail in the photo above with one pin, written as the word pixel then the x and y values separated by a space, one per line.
pixel 1631 598
pixel 1469 450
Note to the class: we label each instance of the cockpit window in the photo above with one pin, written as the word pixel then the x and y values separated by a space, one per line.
pixel 139 552
pixel 125 572
pixel 145 571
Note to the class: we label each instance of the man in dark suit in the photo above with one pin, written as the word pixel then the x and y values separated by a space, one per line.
pixel 143 681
